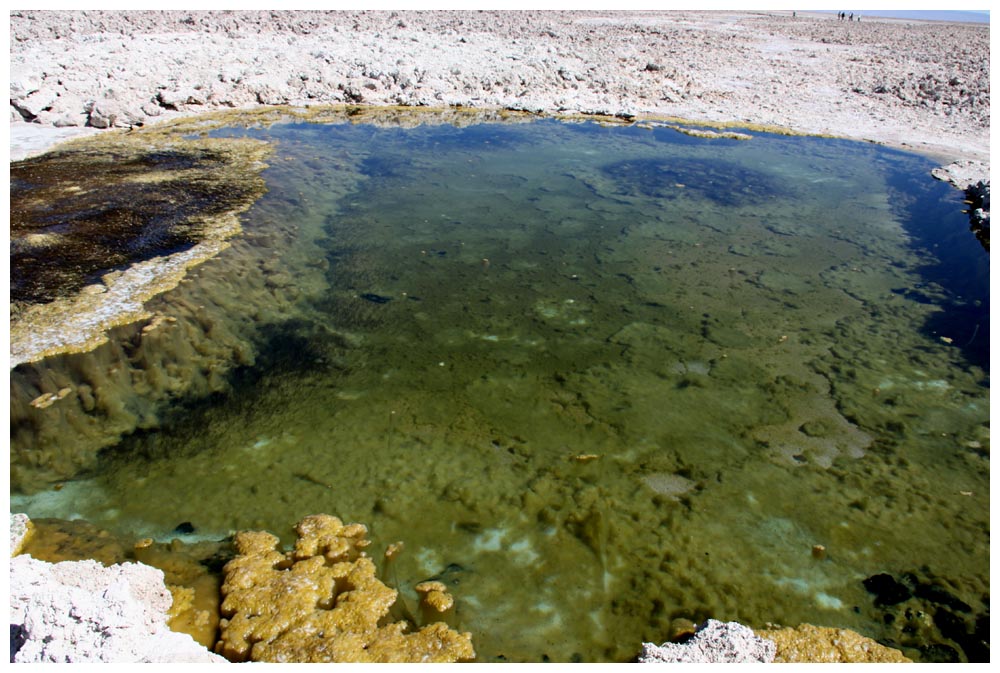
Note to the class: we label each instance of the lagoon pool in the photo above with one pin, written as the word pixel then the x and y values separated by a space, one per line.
pixel 596 377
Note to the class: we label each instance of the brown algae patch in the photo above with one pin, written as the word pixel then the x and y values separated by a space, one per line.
pixel 103 226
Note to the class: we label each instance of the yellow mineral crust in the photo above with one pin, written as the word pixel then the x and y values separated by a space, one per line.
pixel 321 602
pixel 815 644
pixel 435 596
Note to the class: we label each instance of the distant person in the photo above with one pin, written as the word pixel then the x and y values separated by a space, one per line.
pixel 852 16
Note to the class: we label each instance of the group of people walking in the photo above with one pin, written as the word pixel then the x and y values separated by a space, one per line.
pixel 849 17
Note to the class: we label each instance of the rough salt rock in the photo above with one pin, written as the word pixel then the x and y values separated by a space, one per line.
pixel 105 114
pixel 20 526
pixel 84 612
pixel 714 642
pixel 67 110
pixel 24 80
pixel 962 174
pixel 39 100
pixel 917 93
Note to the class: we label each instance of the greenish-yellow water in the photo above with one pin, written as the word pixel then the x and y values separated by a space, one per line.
pixel 597 378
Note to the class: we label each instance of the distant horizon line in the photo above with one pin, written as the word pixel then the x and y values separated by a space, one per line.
pixel 952 15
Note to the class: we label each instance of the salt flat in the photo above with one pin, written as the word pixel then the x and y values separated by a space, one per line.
pixel 916 85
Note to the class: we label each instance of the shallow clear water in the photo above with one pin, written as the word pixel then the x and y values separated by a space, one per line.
pixel 597 378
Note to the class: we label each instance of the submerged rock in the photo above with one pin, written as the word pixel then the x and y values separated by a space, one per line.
pixel 376 298
pixel 671 485
pixel 941 618
pixel 886 589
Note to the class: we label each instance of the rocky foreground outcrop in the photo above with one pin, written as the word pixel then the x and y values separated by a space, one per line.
pixel 82 611
pixel 321 601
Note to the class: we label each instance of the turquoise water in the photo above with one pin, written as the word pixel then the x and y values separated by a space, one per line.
pixel 595 378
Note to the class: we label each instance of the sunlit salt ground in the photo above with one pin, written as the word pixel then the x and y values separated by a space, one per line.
pixel 599 378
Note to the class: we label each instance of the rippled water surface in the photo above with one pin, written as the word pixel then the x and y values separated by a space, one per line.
pixel 597 378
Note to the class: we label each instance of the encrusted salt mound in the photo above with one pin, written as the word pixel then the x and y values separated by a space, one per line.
pixel 714 642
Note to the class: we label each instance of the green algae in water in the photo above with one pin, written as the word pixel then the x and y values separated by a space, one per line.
pixel 598 378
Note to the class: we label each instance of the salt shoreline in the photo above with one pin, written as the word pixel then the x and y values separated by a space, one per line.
pixel 917 86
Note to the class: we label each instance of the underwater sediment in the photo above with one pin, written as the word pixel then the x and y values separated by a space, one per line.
pixel 100 230
pixel 587 369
